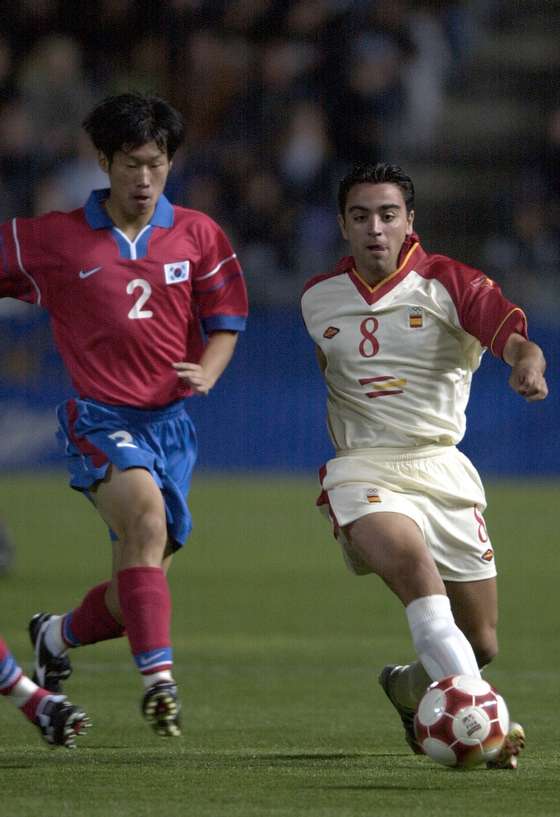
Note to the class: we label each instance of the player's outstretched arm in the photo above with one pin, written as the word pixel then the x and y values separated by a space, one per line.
pixel 528 365
pixel 202 376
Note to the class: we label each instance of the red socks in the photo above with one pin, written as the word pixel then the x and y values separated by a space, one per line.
pixel 146 610
pixel 10 672
pixel 91 621
pixel 146 607
pixel 30 708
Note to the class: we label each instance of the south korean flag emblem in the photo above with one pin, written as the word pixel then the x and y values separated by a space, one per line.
pixel 177 271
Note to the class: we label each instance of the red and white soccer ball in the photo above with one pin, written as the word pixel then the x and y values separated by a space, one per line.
pixel 461 721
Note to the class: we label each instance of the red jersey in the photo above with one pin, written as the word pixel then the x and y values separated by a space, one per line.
pixel 123 311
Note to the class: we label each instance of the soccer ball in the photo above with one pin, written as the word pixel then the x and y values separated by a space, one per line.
pixel 461 721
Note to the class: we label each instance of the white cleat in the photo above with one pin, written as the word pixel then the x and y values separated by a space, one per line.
pixel 514 742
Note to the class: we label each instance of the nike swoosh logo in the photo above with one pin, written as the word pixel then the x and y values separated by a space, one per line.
pixel 86 273
pixel 151 659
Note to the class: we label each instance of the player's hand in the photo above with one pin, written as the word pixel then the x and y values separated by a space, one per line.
pixel 195 376
pixel 529 382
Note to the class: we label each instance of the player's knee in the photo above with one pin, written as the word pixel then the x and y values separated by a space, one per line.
pixel 147 532
pixel 485 648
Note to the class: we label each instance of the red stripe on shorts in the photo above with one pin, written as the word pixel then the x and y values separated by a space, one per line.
pixel 98 457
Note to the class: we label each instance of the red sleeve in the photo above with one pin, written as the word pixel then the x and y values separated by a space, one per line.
pixel 19 253
pixel 218 284
pixel 483 310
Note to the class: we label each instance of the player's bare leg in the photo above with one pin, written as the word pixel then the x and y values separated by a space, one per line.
pixel 475 607
pixel 132 505
pixel 137 597
pixel 392 546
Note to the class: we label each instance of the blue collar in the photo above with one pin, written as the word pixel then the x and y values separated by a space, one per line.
pixel 98 218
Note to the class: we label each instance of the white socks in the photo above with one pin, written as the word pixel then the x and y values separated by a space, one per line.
pixel 440 645
pixel 23 691
pixel 53 636
pixel 155 677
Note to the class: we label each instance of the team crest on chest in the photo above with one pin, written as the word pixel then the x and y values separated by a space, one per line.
pixel 416 317
pixel 177 271
pixel 330 332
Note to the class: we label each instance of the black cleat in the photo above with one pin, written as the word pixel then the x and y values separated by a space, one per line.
pixel 406 715
pixel 161 708
pixel 50 669
pixel 60 722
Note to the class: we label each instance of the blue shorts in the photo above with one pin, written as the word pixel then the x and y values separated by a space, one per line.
pixel 163 441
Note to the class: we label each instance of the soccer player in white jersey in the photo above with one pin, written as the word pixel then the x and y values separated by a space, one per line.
pixel 134 286
pixel 399 334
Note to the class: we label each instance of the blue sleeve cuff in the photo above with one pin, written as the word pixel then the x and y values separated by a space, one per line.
pixel 227 323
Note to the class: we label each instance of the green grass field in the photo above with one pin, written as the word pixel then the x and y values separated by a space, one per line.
pixel 277 651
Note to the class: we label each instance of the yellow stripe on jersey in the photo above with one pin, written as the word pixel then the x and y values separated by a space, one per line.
pixel 497 332
pixel 389 384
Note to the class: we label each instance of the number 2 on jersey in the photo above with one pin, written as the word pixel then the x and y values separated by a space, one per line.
pixel 369 345
pixel 137 312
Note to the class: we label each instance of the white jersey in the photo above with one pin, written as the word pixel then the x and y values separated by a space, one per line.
pixel 401 355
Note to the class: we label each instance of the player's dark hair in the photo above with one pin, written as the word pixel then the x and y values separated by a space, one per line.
pixel 380 173
pixel 130 120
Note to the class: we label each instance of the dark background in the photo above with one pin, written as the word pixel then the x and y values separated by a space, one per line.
pixel 280 96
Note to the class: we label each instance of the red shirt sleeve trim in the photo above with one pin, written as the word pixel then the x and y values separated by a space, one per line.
pixel 514 321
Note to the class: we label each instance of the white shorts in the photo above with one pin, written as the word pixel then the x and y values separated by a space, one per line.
pixel 439 488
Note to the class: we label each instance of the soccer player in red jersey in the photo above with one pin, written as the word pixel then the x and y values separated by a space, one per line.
pixel 399 334
pixel 58 721
pixel 146 302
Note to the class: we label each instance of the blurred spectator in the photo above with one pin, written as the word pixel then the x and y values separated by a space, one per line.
pixel 19 168
pixel 280 96
pixel 70 183
pixel 264 225
pixel 304 153
pixel 526 261
pixel 367 113
pixel 425 76
pixel 55 94
pixel 202 186
pixel 27 20
pixel 247 17
pixel 146 69
pixel 550 165
pixel 284 75
pixel 7 75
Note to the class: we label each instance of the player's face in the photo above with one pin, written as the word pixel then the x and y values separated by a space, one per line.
pixel 375 223
pixel 137 180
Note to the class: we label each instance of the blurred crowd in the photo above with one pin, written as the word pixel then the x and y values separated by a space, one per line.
pixel 525 255
pixel 280 97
